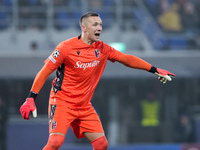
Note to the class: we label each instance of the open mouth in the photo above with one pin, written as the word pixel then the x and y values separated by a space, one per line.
pixel 97 34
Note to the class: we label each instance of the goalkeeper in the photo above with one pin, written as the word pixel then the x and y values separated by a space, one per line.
pixel 79 63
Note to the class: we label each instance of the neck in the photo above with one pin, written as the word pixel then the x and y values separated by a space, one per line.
pixel 86 40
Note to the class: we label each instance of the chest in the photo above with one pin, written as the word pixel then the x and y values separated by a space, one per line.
pixel 89 57
pixel 85 63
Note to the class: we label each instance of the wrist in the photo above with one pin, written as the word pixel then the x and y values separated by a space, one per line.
pixel 153 69
pixel 32 94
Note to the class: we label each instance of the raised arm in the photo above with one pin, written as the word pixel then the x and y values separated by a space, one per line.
pixel 134 62
pixel 138 63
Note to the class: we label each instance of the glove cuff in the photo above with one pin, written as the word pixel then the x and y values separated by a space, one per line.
pixel 153 69
pixel 32 94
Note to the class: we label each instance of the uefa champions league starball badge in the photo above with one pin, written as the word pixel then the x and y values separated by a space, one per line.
pixel 56 53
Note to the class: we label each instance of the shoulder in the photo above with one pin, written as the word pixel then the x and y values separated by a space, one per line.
pixel 71 40
pixel 64 45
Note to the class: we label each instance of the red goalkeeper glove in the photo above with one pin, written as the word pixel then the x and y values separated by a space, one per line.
pixel 163 75
pixel 29 106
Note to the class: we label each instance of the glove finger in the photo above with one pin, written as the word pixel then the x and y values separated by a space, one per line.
pixel 161 80
pixel 24 116
pixel 168 78
pixel 172 76
pixel 35 113
pixel 23 111
pixel 27 115
pixel 164 81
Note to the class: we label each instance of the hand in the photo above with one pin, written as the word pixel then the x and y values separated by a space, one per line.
pixel 28 105
pixel 164 75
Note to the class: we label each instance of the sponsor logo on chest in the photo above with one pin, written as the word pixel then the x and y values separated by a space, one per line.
pixel 91 64
pixel 83 65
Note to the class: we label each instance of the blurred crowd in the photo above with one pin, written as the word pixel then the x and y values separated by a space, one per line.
pixel 172 16
pixel 5 13
pixel 176 16
pixel 34 13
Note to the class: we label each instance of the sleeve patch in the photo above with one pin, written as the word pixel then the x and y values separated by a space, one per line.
pixel 52 59
pixel 56 53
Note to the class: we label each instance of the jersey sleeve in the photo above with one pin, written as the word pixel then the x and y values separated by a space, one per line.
pixel 113 53
pixel 57 57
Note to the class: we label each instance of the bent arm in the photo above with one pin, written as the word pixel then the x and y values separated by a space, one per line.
pixel 134 62
pixel 40 78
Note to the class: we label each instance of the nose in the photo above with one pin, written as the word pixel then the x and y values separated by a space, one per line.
pixel 99 28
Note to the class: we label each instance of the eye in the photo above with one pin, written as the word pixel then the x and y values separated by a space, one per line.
pixel 95 24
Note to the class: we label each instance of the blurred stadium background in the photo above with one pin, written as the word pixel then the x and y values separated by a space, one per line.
pixel 166 33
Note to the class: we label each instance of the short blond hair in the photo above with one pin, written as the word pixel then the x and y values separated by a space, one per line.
pixel 86 15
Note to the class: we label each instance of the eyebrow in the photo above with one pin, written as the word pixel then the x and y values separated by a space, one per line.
pixel 97 23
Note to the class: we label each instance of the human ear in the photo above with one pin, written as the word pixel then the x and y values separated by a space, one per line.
pixel 83 28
